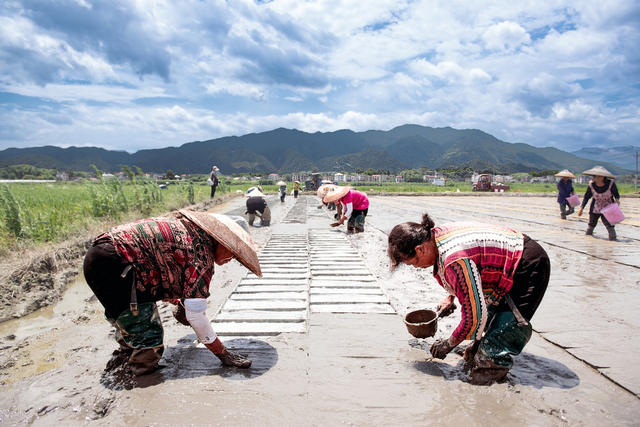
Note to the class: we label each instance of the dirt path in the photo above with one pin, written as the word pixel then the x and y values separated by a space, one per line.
pixel 359 369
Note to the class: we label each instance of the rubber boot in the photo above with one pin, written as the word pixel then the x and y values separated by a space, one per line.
pixel 485 371
pixel 145 360
pixel 589 231
pixel 612 233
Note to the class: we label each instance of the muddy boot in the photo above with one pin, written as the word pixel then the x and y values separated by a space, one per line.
pixel 570 211
pixel 563 216
pixel 229 358
pixel 145 360
pixel 589 231
pixel 488 376
pixel 612 233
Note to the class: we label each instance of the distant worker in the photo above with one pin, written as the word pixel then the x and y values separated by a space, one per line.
pixel 296 189
pixel 604 191
pixel 282 190
pixel 499 277
pixel 213 180
pixel 565 190
pixel 257 206
pixel 171 259
pixel 355 206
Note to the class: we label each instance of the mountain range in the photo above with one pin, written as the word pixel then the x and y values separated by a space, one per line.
pixel 624 156
pixel 289 150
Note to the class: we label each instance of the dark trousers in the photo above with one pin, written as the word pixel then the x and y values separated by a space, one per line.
pixel 530 279
pixel 213 190
pixel 354 223
pixel 102 271
pixel 565 210
pixel 593 220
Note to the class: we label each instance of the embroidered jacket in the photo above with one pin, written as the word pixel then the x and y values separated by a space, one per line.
pixel 476 263
pixel 172 258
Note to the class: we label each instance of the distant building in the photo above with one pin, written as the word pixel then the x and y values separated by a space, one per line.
pixel 339 177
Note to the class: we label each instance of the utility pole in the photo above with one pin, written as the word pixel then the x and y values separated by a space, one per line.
pixel 635 181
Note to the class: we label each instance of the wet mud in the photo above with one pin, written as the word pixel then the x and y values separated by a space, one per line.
pixel 61 364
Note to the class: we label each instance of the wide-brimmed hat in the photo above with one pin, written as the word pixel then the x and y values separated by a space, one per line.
pixel 281 183
pixel 326 181
pixel 229 234
pixel 255 192
pixel 324 189
pixel 297 182
pixel 599 171
pixel 215 168
pixel 564 173
pixel 337 194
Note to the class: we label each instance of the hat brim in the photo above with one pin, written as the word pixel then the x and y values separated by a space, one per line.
pixel 254 193
pixel 565 174
pixel 324 189
pixel 229 234
pixel 599 171
pixel 336 194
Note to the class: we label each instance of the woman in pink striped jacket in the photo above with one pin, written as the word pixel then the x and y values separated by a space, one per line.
pixel 499 277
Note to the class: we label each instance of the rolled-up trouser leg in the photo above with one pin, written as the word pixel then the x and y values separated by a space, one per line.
pixel 143 333
pixel 266 217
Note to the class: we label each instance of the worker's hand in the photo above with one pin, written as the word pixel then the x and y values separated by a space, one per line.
pixel 342 219
pixel 580 211
pixel 618 202
pixel 229 358
pixel 446 307
pixel 440 349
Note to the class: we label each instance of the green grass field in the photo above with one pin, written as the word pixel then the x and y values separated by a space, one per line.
pixel 31 213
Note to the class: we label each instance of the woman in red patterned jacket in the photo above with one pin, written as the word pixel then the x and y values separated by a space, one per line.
pixel 172 259
pixel 499 277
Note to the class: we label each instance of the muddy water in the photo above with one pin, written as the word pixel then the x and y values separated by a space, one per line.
pixel 348 368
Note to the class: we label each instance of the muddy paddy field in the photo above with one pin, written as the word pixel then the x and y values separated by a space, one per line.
pixel 324 329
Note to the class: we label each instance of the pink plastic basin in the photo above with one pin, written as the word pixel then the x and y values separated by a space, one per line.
pixel 573 200
pixel 613 213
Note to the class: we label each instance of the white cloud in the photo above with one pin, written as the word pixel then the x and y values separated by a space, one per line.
pixel 542 74
pixel 506 36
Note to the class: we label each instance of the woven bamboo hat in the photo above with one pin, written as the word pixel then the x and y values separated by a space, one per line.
pixel 281 183
pixel 337 194
pixel 565 174
pixel 229 234
pixel 599 171
pixel 324 189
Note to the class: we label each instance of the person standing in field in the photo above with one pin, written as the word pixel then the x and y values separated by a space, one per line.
pixel 604 191
pixel 296 189
pixel 213 180
pixel 565 189
pixel 171 259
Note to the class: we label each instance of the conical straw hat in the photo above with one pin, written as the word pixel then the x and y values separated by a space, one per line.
pixel 564 173
pixel 324 189
pixel 281 183
pixel 336 194
pixel 255 192
pixel 599 171
pixel 229 234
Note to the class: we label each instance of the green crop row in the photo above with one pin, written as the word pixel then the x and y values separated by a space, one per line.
pixel 45 212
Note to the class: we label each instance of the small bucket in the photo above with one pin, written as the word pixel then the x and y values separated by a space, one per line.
pixel 573 200
pixel 422 323
pixel 613 213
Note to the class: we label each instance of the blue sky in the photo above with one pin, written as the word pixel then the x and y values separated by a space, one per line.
pixel 141 74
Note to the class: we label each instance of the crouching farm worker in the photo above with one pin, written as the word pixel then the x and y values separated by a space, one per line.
pixel 355 206
pixel 132 266
pixel 499 277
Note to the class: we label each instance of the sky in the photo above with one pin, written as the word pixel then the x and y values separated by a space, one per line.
pixel 140 74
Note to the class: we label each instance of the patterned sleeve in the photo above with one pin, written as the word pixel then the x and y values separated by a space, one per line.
pixel 464 278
